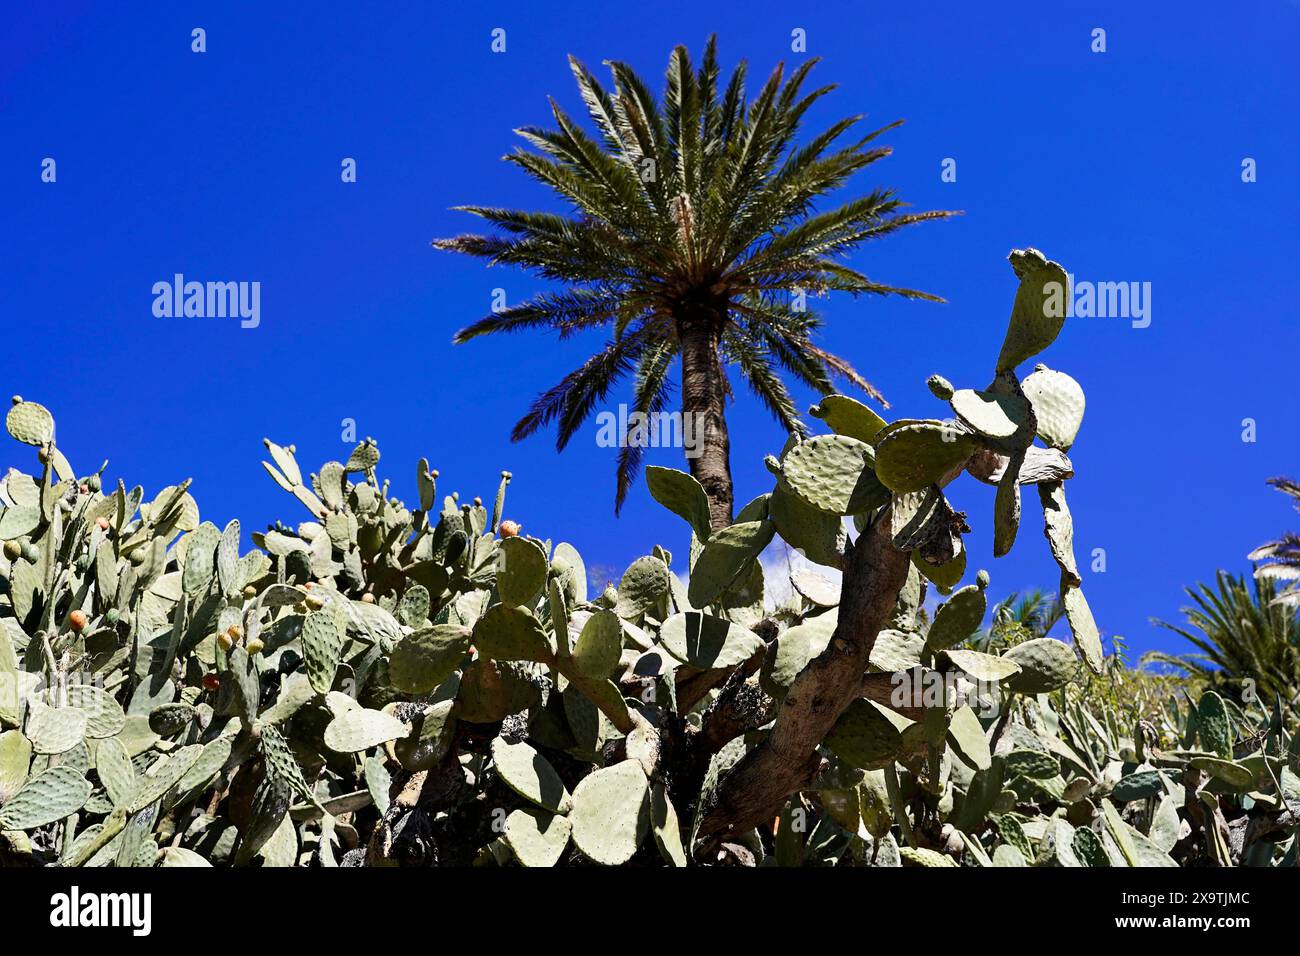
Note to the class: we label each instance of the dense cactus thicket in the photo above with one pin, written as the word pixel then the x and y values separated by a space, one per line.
pixel 384 684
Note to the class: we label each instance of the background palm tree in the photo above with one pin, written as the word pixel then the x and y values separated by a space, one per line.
pixel 693 234
pixel 1020 617
pixel 1280 559
pixel 1244 635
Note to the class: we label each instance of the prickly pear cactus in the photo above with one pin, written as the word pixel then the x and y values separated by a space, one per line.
pixel 377 684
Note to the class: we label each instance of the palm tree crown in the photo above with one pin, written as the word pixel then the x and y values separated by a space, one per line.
pixel 693 233
pixel 1280 559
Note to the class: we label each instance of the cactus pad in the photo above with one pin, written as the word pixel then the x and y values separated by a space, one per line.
pixel 849 417
pixel 835 474
pixel 536 838
pixel 30 423
pixel 507 633
pixel 425 658
pixel 1046 664
pixel 530 775
pixel 46 797
pixel 1038 313
pixel 611 812
pixel 707 642
pixel 1058 404
pixel 913 457
pixel 727 553
pixel 360 729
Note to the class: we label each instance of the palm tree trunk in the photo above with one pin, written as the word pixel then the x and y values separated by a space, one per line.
pixel 704 410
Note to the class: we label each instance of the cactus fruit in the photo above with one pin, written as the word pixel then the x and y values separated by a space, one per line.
pixel 77 620
pixel 509 529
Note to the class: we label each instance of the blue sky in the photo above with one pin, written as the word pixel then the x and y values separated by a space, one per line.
pixel 1124 165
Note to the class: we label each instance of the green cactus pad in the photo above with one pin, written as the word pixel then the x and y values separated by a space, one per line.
pixel 116 772
pixel 322 645
pixel 643 586
pixel 46 797
pixel 104 716
pixel 818 535
pixel 913 457
pixel 1232 774
pixel 1005 855
pixel 1058 404
pixel 611 812
pixel 530 775
pixel 15 760
pixel 1088 849
pixel 966 737
pixel 1138 786
pixel 835 474
pixel 1031 763
pixel 943 576
pixel 1038 313
pixel 995 415
pixel 536 838
pixel 507 633
pixel 681 494
pixel 600 644
pixel 867 735
pixel 1212 725
pixel 983 667
pixel 521 571
pixel 55 730
pixel 667 831
pixel 174 856
pixel 162 776
pixel 957 618
pixel 790 653
pixel 425 658
pixel 815 588
pixel 168 720
pixel 1046 664
pixel 920 856
pixel 896 651
pixel 707 642
pixel 1082 625
pixel 848 417
pixel 726 554
pixel 30 423
pixel 361 729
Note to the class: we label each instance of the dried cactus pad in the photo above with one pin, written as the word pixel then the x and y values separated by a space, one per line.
pixel 30 423
pixel 835 474
pixel 1058 405
pixel 1039 310
pixel 912 457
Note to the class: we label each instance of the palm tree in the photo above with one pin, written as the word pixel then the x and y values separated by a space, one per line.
pixel 1245 635
pixel 1281 558
pixel 1021 618
pixel 692 232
